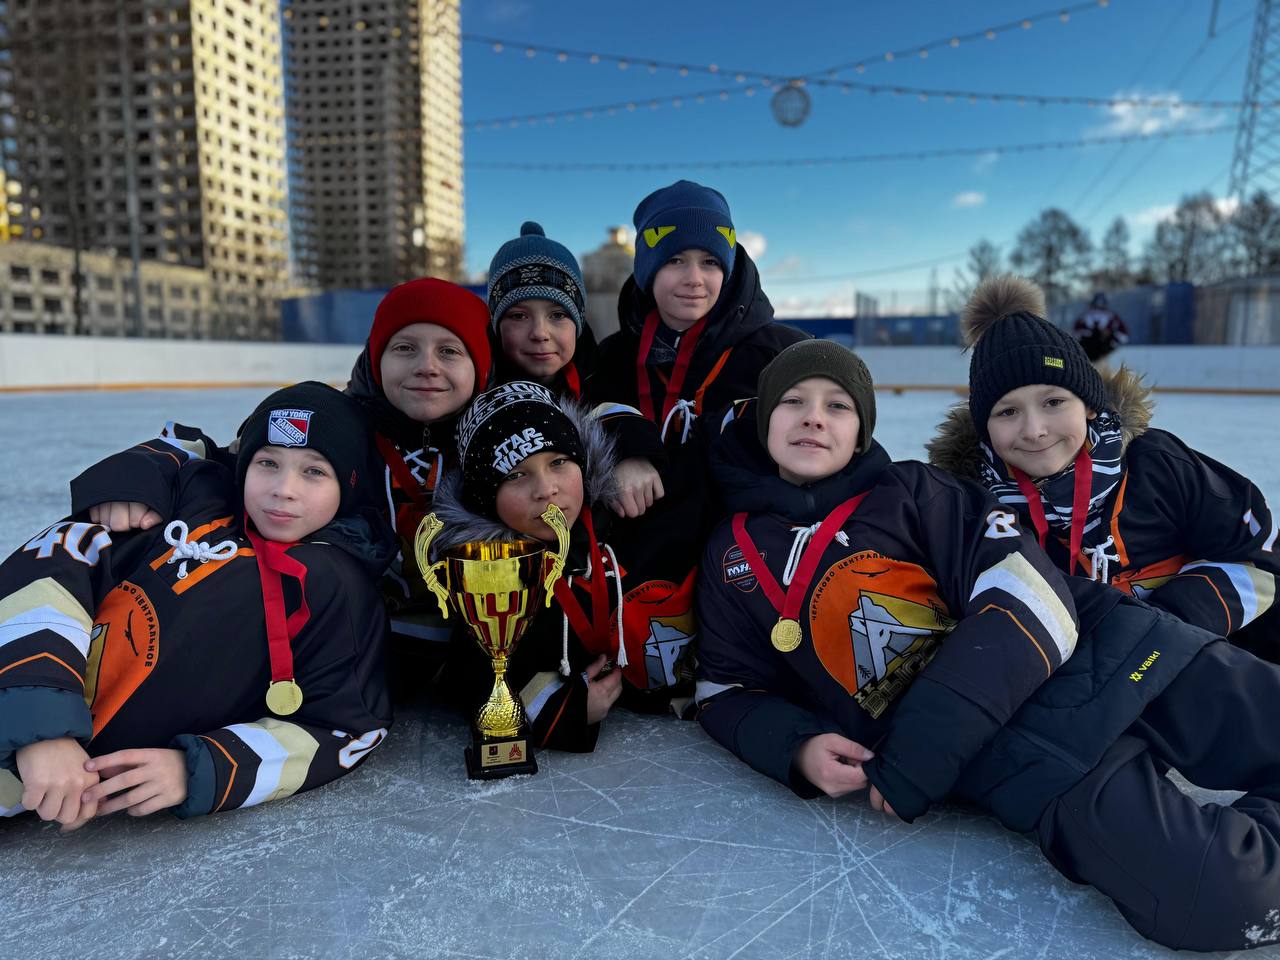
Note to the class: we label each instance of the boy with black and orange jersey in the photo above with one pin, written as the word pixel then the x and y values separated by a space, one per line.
pixel 229 657
pixel 1111 498
pixel 869 624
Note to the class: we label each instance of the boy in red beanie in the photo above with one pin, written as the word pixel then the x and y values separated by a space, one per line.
pixel 427 355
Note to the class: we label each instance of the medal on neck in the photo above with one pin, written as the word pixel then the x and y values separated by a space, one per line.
pixel 283 696
pixel 787 634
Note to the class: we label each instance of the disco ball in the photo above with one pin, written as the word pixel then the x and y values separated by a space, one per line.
pixel 790 105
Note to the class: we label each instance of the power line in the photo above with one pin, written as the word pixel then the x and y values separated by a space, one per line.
pixel 924 94
pixel 838 160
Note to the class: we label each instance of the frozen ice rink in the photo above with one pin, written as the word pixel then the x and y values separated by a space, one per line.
pixel 660 845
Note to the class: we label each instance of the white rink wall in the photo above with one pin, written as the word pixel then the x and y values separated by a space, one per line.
pixel 30 362
pixel 43 362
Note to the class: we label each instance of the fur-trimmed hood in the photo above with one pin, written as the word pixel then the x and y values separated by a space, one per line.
pixel 955 446
pixel 462 525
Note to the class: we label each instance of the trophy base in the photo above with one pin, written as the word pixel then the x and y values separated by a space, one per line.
pixel 494 759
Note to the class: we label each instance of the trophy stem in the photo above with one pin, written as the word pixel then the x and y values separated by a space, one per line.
pixel 502 714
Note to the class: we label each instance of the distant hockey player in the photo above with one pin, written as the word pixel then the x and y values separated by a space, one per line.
pixel 229 657
pixel 1099 329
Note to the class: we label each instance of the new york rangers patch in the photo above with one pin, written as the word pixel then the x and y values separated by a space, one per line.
pixel 288 428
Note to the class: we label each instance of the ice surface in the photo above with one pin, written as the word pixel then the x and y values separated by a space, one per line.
pixel 659 845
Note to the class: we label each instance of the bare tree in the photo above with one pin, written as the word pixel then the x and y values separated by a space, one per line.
pixel 1255 235
pixel 1054 251
pixel 1115 269
pixel 1191 245
pixel 984 261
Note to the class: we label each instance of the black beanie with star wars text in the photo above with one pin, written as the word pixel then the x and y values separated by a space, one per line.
pixel 505 426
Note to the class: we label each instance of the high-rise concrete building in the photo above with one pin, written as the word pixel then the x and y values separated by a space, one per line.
pixel 375 138
pixel 153 128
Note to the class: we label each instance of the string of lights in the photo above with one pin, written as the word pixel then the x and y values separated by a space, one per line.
pixel 841 160
pixel 684 69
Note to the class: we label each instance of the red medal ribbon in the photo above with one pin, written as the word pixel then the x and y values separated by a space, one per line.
pixel 572 381
pixel 1083 487
pixel 594 634
pixel 788 605
pixel 684 356
pixel 407 517
pixel 272 563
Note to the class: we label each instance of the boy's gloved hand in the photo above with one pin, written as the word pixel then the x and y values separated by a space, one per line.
pixel 639 487
pixel 140 781
pixel 119 516
pixel 833 763
pixel 54 780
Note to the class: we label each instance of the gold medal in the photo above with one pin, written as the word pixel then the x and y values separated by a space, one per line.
pixel 786 635
pixel 284 697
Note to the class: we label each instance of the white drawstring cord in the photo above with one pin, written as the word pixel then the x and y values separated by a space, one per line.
pixel 564 633
pixel 690 410
pixel 175 534
pixel 797 549
pixel 1098 556
pixel 617 582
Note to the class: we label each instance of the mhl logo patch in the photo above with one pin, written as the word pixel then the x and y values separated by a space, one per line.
pixel 737 572
pixel 288 428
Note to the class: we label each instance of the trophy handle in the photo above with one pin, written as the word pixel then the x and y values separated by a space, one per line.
pixel 427 530
pixel 554 519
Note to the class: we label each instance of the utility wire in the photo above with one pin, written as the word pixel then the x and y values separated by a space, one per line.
pixel 836 160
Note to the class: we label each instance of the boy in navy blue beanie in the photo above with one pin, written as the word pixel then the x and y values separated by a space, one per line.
pixel 695 330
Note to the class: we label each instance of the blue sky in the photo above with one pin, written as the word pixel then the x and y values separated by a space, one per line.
pixel 841 221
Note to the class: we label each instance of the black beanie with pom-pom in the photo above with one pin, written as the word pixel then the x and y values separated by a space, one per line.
pixel 1014 346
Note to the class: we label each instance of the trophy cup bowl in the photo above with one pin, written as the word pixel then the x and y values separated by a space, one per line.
pixel 496 587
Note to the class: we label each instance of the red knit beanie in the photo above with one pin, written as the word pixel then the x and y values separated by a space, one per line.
pixel 430 300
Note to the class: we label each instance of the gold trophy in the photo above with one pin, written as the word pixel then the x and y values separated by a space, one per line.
pixel 496 587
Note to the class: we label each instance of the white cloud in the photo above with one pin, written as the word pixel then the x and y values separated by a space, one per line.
pixel 754 243
pixel 507 11
pixel 791 265
pixel 1160 212
pixel 1125 119
pixel 836 304
pixel 985 161
pixel 970 198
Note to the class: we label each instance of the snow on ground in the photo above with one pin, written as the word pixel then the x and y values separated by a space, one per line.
pixel 660 844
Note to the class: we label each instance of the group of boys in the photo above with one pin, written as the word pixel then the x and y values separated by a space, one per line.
pixel 1036 629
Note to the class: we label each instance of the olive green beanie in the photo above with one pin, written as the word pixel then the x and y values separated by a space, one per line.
pixel 817 358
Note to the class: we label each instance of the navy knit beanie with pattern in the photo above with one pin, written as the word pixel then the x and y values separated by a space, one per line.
pixel 531 267
pixel 503 427
pixel 683 216
pixel 1014 346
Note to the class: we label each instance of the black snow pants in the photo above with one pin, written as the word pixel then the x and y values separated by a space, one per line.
pixel 1189 876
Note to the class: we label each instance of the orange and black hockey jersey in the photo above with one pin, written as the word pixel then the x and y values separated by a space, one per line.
pixel 1176 528
pixel 118 641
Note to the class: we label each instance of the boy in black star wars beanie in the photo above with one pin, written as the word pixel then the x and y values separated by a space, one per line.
pixel 503 427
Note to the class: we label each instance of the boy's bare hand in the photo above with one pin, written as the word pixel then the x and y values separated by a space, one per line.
pixel 140 781
pixel 639 487
pixel 878 802
pixel 602 691
pixel 119 516
pixel 833 763
pixel 54 779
